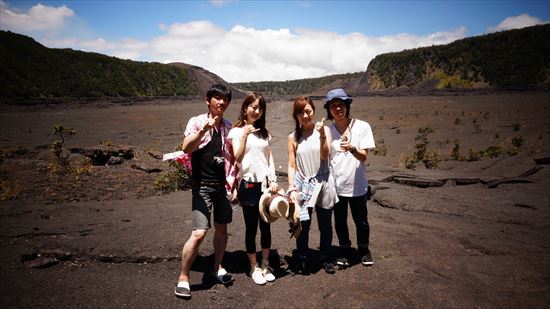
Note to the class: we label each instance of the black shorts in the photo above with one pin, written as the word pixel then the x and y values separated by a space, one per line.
pixel 206 198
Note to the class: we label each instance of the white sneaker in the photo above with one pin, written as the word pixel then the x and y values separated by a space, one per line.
pixel 258 276
pixel 268 274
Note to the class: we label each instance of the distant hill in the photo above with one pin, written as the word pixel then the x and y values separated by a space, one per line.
pixel 509 59
pixel 30 70
pixel 203 79
pixel 307 86
pixel 515 59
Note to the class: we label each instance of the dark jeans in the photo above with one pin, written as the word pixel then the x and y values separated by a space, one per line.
pixel 249 196
pixel 324 221
pixel 359 212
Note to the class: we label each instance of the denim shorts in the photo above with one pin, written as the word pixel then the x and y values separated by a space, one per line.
pixel 206 198
pixel 249 193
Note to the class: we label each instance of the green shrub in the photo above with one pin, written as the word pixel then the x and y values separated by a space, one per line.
pixel 381 150
pixel 3 156
pixel 177 179
pixel 453 82
pixel 165 183
pixel 9 190
pixel 411 160
pixel 512 151
pixel 422 153
pixel 432 160
pixel 518 141
pixel 455 151
pixel 84 168
pixel 107 143
pixel 59 164
pixel 494 151
pixel 474 155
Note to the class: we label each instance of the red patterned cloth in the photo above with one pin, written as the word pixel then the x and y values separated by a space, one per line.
pixel 194 125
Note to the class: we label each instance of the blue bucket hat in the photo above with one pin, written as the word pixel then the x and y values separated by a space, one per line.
pixel 337 93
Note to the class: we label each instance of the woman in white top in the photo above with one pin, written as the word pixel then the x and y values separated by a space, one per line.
pixel 352 139
pixel 250 140
pixel 309 176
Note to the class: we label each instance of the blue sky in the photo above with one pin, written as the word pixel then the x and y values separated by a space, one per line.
pixel 262 40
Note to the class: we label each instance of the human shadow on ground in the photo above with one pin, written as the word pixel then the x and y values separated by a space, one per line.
pixel 314 263
pixel 235 262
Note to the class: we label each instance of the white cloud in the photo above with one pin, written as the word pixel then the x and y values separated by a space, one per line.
pixel 123 49
pixel 516 22
pixel 40 18
pixel 220 3
pixel 248 54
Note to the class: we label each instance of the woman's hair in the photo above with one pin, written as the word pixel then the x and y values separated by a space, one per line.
pixel 258 124
pixel 219 90
pixel 299 105
pixel 348 107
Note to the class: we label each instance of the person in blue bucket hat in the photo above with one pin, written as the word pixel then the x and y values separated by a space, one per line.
pixel 351 140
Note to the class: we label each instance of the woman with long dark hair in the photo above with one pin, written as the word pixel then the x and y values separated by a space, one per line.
pixel 250 140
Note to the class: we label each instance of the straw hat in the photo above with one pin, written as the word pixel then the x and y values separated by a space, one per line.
pixel 276 205
pixel 273 206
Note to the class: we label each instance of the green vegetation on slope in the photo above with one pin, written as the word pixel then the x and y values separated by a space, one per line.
pixel 510 59
pixel 30 70
pixel 515 58
pixel 298 86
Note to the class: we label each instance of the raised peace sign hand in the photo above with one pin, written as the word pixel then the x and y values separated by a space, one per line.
pixel 210 123
pixel 320 127
pixel 248 128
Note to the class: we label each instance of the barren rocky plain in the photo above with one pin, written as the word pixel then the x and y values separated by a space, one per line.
pixel 471 233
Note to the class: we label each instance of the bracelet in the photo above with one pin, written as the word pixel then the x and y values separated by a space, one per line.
pixel 353 150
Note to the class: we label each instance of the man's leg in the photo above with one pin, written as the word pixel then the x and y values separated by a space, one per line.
pixel 189 253
pixel 188 256
pixel 201 223
pixel 223 215
pixel 220 242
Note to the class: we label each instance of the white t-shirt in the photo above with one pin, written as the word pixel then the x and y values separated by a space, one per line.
pixel 255 164
pixel 349 172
